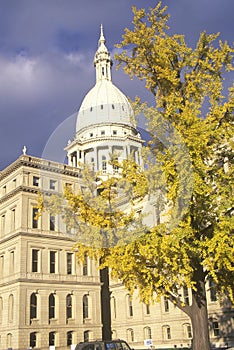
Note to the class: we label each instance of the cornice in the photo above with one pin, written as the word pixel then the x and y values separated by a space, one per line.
pixel 39 163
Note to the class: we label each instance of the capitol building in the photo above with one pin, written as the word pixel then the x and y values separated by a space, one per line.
pixel 47 299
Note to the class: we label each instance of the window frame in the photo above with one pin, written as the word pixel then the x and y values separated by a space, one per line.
pixel 51 306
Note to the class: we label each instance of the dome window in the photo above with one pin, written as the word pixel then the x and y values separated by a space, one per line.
pixel 101 106
pixel 91 108
pixel 113 106
pixel 123 108
pixel 104 164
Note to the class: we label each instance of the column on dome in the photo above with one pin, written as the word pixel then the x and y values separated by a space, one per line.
pixel 96 159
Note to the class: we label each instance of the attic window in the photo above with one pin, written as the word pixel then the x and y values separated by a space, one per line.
pixel 103 132
pixel 114 132
pixel 91 134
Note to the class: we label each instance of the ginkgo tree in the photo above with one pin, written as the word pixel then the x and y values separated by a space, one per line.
pixel 190 102
pixel 188 176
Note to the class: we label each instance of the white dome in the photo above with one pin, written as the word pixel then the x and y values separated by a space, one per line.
pixel 104 104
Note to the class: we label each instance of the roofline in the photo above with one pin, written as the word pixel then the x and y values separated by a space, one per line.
pixel 39 163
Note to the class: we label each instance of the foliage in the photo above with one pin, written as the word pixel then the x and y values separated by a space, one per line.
pixel 96 215
pixel 190 110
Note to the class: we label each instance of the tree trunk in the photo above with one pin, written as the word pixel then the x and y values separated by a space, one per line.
pixel 199 315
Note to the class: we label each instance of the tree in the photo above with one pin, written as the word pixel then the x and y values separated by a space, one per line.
pixel 188 85
pixel 189 175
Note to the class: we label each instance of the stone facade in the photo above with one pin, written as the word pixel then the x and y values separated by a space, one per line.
pixel 46 298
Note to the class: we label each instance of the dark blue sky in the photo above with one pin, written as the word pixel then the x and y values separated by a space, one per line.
pixel 46 60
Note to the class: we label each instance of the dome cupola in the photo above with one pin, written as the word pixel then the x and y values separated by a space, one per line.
pixel 104 103
pixel 105 122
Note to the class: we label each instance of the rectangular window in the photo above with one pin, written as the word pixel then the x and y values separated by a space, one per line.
pixel 168 333
pixel 1 265
pixel 35 255
pixel 130 306
pixel 147 309
pixel 3 224
pixel 52 223
pixel 85 266
pixel 12 261
pixel 189 331
pixel 53 184
pixel 69 338
pixel 33 340
pixel 216 328
pixel 186 295
pixel 52 261
pixel 213 296
pixel 69 263
pixel 34 218
pixel 51 338
pixel 4 190
pixel 36 180
pixel 68 185
pixel 166 304
pixel 13 219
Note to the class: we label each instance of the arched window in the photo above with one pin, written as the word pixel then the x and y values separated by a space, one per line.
pixel 129 305
pixel 51 338
pixel 33 306
pixel 187 330
pixel 147 333
pixel 114 334
pixel 87 335
pixel 113 307
pixel 69 338
pixel 51 306
pixel 130 335
pixel 9 340
pixel 10 308
pixel 166 332
pixel 69 306
pixel 85 306
pixel 33 340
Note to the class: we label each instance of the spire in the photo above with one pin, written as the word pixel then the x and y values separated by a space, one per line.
pixel 102 39
pixel 102 60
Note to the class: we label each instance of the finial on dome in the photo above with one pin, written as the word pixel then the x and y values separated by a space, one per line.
pixel 102 38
